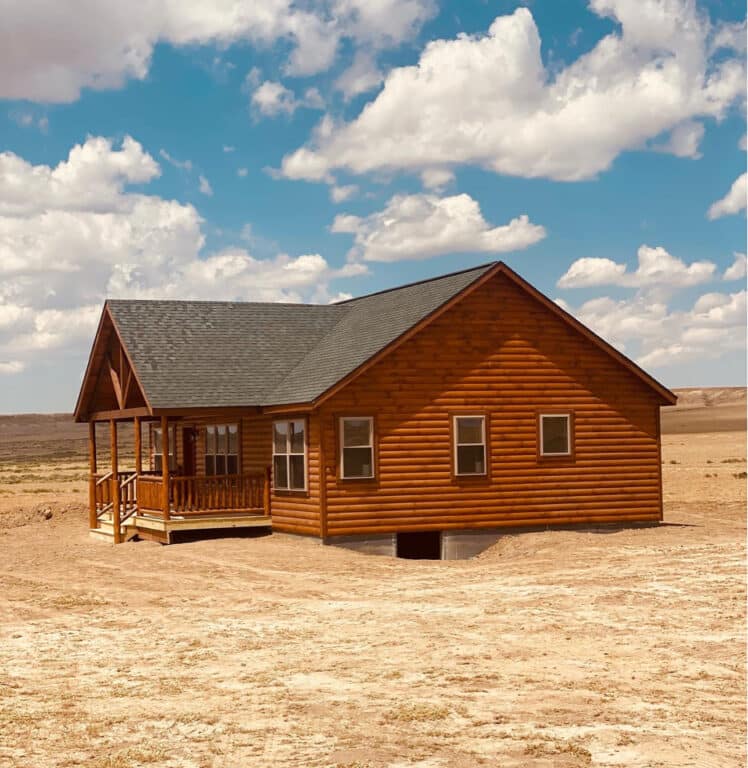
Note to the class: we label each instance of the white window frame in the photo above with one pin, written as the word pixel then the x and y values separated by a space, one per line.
pixel 457 444
pixel 154 454
pixel 342 447
pixel 288 454
pixel 226 453
pixel 567 416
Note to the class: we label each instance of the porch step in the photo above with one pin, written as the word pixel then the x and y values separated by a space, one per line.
pixel 99 534
pixel 105 531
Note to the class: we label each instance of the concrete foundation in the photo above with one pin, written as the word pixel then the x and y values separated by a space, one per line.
pixel 384 544
pixel 462 545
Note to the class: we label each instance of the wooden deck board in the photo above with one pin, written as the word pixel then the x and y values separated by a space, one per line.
pixel 202 522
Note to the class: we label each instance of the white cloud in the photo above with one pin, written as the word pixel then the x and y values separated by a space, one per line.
pixel 242 172
pixel 658 336
pixel 228 148
pixel 272 99
pixel 684 140
pixel 422 226
pixel 72 234
pixel 489 101
pixel 205 187
pixel 655 267
pixel 8 367
pixel 733 202
pixel 185 165
pixel 339 194
pixel 92 178
pixel 743 143
pixel 363 75
pixel 27 120
pixel 49 54
pixel 737 270
pixel 436 178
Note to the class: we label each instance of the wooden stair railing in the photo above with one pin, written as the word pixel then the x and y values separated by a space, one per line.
pixel 128 503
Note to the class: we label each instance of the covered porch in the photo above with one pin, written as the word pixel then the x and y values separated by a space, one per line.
pixel 128 499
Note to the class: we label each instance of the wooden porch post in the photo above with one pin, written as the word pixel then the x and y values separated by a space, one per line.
pixel 138 449
pixel 93 521
pixel 266 493
pixel 115 483
pixel 165 465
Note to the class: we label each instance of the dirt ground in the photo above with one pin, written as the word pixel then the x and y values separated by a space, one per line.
pixel 565 648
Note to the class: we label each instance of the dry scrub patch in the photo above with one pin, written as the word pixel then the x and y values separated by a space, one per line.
pixel 558 649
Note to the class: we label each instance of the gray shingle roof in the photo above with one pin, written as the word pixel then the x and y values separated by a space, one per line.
pixel 196 354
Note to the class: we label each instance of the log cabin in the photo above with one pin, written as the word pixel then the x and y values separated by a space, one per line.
pixel 421 421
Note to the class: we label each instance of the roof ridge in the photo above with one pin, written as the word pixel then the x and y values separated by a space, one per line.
pixel 486 265
pixel 220 302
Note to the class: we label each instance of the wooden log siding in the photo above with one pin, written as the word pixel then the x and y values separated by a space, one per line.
pixel 497 352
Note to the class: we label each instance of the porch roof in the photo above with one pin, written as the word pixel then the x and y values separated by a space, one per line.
pixel 196 354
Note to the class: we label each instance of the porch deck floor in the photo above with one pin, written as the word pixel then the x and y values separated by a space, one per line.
pixel 198 521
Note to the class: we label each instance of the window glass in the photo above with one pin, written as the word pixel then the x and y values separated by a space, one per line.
pixel 555 435
pixel 296 474
pixel 289 455
pixel 357 462
pixel 280 431
pixel 222 449
pixel 356 432
pixel 356 447
pixel 470 460
pixel 470 430
pixel 280 471
pixel 233 439
pixel 470 447
pixel 221 442
pixel 297 437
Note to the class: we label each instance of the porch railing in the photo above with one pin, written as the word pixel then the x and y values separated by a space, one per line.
pixel 104 496
pixel 191 495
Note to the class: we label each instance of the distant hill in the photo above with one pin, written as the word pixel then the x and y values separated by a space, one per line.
pixel 50 436
pixel 706 409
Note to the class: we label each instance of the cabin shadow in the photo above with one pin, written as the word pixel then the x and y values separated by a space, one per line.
pixel 186 537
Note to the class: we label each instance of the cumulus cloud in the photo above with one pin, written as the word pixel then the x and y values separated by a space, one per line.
pixel 658 336
pixel 684 140
pixel 733 202
pixel 339 194
pixel 73 234
pixel 48 54
pixel 655 267
pixel 421 226
pixel 737 270
pixel 363 75
pixel 272 99
pixel 488 100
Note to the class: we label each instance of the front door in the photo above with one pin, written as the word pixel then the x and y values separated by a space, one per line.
pixel 189 446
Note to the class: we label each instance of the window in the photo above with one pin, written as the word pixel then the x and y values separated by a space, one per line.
pixel 157 448
pixel 356 447
pixel 222 449
pixel 555 434
pixel 289 455
pixel 470 445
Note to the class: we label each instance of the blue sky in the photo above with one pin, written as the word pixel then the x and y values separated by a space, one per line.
pixel 328 149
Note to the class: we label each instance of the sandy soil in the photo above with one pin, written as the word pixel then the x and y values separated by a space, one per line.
pixel 561 649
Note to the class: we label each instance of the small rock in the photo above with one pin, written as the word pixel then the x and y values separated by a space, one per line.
pixel 47 514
